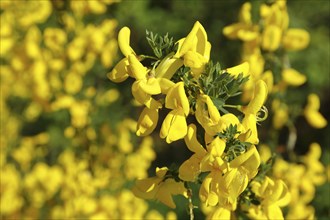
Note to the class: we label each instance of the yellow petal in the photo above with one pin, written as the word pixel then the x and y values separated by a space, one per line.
pixel 315 119
pixel 295 39
pixel 168 188
pixel 247 34
pixel 174 126
pixel 150 86
pixel 245 13
pixel 124 41
pixel 313 102
pixel 250 123
pixel 250 160
pixel 202 42
pixel 259 98
pixel 216 147
pixel 242 68
pixel 147 121
pixel 146 188
pixel 190 169
pixel 274 212
pixel 138 71
pixel 188 42
pixel 144 98
pixel 271 38
pixel 192 142
pixel 161 172
pixel 168 67
pixel 119 73
pixel 176 97
pixel 194 60
pixel 292 77
pixel 231 31
pixel 220 213
pixel 268 78
pixel 165 85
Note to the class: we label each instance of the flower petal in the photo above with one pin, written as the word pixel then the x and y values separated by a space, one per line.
pixel 124 41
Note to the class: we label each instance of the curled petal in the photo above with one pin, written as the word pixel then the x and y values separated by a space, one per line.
pixel 315 118
pixel 250 123
pixel 147 121
pixel 124 41
pixel 192 142
pixel 293 78
pixel 259 98
pixel 119 73
pixel 138 71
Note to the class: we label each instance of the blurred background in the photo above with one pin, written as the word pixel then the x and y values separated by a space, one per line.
pixel 68 146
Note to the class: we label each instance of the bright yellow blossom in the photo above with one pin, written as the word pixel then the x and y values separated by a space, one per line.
pixel 174 126
pixel 312 114
pixel 273 194
pixel 159 188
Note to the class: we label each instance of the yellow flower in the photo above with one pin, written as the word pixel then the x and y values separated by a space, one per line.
pixel 159 188
pixel 251 111
pixel 295 39
pixel 174 126
pixel 195 49
pixel 312 114
pixel 226 180
pixel 273 195
pixel 244 29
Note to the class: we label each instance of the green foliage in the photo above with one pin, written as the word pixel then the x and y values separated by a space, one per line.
pixel 161 45
pixel 234 147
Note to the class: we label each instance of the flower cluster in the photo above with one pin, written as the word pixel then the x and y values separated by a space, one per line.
pixel 182 78
pixel 266 45
pixel 58 160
